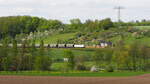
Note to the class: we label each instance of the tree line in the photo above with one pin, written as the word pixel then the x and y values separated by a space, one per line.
pixel 13 25
pixel 22 59
pixel 135 57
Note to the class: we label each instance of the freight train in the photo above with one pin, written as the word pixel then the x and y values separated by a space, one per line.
pixel 49 45
pixel 103 44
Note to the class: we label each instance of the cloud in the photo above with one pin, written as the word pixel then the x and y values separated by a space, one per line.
pixel 83 9
pixel 23 10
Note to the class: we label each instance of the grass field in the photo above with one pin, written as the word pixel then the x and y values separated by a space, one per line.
pixel 80 74
pixel 75 74
pixel 58 53
pixel 54 38
pixel 142 27
pixel 130 40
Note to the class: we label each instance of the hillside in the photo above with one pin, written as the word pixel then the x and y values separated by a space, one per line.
pixel 56 37
pixel 142 27
pixel 88 33
pixel 129 36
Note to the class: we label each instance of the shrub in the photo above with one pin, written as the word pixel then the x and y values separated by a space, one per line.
pixel 80 67
pixel 110 69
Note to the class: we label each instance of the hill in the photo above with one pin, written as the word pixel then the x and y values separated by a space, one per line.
pixel 89 32
pixel 53 39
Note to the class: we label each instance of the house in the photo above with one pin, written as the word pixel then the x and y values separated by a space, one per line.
pixel 104 44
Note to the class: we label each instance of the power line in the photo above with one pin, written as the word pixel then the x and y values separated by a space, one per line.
pixel 119 8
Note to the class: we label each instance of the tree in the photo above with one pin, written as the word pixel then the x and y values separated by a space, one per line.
pixel 4 55
pixel 75 24
pixel 15 61
pixel 106 24
pixel 23 55
pixel 134 54
pixel 121 58
pixel 99 57
pixel 33 52
pixel 79 62
pixel 71 59
pixel 144 56
pixel 42 61
pixel 37 63
pixel 91 26
pixel 38 59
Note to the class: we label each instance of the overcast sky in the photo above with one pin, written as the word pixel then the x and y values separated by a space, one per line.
pixel 82 9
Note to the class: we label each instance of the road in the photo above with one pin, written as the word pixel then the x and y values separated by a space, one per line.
pixel 144 79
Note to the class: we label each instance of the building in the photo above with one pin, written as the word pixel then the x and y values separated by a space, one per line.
pixel 105 44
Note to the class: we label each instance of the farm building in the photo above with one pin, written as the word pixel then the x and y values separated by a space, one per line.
pixel 104 44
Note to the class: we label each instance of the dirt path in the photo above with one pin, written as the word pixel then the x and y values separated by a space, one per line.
pixel 144 79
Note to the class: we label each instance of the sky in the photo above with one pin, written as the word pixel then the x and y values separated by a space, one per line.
pixel 65 10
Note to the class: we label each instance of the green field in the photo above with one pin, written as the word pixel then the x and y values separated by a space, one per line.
pixel 74 74
pixel 144 40
pixel 54 38
pixel 58 53
pixel 130 40
pixel 142 27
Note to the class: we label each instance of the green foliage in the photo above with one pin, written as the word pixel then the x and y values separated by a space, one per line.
pixel 122 58
pixel 53 39
pixel 38 63
pixel 80 62
pixel 15 58
pixel 13 25
pixel 110 68
pixel 127 54
pixel 4 55
pixel 75 24
pixel 49 24
pixel 106 24
pixel 134 53
pixel 42 61
pixel 70 63
pixel 99 57
pixel 74 74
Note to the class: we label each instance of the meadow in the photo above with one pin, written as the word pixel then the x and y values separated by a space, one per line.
pixel 74 74
pixel 53 39
pixel 142 27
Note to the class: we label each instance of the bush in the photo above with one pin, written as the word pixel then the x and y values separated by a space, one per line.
pixel 110 69
pixel 80 67
pixel 132 30
pixel 147 33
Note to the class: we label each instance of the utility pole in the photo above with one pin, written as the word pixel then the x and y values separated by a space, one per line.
pixel 119 8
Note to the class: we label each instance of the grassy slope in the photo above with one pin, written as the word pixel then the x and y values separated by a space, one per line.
pixel 142 27
pixel 58 53
pixel 53 39
pixel 75 74
pixel 130 40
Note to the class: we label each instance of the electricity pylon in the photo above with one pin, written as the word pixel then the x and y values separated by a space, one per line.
pixel 119 8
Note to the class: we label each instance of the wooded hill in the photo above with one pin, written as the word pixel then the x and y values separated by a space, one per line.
pixel 89 32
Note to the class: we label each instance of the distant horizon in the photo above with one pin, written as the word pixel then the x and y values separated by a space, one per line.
pixel 77 18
